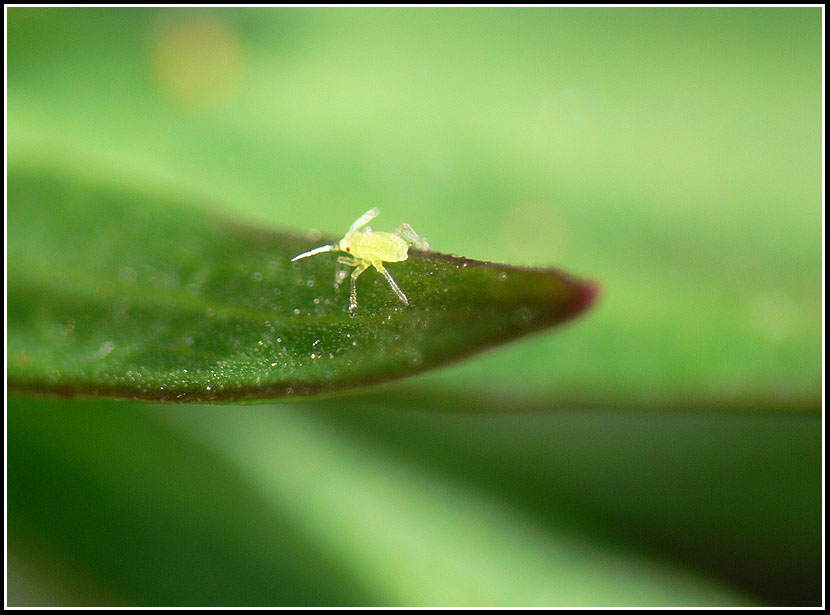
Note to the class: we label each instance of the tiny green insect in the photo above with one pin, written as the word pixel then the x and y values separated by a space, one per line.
pixel 367 248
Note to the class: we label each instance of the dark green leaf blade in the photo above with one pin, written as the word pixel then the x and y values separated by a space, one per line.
pixel 120 294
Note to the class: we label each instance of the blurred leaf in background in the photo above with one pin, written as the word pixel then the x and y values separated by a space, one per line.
pixel 664 450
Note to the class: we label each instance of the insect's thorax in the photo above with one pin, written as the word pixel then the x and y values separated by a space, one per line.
pixel 377 245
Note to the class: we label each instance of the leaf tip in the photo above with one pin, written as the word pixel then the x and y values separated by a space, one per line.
pixel 588 294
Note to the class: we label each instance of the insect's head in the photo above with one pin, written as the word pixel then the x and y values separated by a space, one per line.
pixel 345 244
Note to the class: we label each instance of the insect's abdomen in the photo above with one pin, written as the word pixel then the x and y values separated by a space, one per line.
pixel 379 246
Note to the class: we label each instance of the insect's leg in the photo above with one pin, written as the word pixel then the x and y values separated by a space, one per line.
pixel 392 283
pixel 339 273
pixel 363 220
pixel 408 234
pixel 361 267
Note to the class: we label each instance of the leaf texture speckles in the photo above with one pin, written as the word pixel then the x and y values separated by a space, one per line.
pixel 127 295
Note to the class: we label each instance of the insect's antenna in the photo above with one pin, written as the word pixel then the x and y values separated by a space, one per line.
pixel 363 220
pixel 320 250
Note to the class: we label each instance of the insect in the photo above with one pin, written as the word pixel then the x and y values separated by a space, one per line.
pixel 366 248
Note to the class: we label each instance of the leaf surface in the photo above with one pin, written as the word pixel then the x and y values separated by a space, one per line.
pixel 131 295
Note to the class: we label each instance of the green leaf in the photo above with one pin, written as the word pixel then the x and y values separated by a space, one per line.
pixel 118 293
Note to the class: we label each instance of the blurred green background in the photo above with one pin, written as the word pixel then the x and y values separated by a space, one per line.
pixel 664 449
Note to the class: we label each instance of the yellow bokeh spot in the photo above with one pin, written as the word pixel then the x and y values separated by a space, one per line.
pixel 198 61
